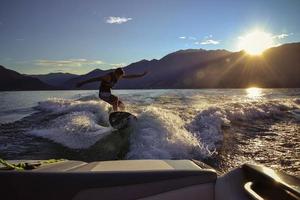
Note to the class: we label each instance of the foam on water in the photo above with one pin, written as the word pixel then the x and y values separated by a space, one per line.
pixel 161 134
pixel 77 125
pixel 172 124
pixel 59 105
pixel 297 101
pixel 208 124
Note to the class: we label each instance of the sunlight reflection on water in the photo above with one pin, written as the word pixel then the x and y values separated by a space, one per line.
pixel 254 92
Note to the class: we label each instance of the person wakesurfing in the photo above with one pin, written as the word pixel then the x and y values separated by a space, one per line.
pixel 107 83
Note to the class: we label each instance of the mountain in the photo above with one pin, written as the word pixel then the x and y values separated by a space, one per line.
pixel 167 72
pixel 161 72
pixel 55 79
pixel 11 80
pixel 278 67
pixel 71 83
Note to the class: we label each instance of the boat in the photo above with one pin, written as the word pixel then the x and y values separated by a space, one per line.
pixel 143 180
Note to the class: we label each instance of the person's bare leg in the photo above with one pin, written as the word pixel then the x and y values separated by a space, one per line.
pixel 114 103
pixel 115 106
pixel 121 105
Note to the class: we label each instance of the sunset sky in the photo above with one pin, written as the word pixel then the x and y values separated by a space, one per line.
pixel 39 36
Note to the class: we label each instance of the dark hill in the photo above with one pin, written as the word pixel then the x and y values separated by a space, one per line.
pixel 278 67
pixel 71 84
pixel 11 80
pixel 55 79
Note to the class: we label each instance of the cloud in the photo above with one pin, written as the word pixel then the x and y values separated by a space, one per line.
pixel 187 38
pixel 67 63
pixel 117 20
pixel 209 41
pixel 281 36
pixel 71 63
pixel 58 71
pixel 118 64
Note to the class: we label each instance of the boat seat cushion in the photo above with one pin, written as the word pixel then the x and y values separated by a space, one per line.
pixel 65 185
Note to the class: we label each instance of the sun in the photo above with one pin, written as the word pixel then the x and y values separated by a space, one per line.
pixel 256 42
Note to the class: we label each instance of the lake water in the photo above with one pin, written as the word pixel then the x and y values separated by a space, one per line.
pixel 224 127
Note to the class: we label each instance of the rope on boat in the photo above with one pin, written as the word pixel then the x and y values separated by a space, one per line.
pixel 27 166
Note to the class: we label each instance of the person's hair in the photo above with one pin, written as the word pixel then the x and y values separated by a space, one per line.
pixel 119 71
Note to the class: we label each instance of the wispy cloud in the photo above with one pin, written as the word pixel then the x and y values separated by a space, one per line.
pixel 67 63
pixel 118 64
pixel 75 63
pixel 187 38
pixel 117 20
pixel 282 36
pixel 209 41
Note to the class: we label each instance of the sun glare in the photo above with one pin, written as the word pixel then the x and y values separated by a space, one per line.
pixel 256 42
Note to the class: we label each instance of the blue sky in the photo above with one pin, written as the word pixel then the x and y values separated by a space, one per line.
pixel 39 36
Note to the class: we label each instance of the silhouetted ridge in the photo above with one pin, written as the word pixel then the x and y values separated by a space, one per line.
pixel 12 80
pixel 199 68
pixel 54 79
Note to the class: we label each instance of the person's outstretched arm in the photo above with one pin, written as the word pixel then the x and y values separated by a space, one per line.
pixel 130 76
pixel 100 78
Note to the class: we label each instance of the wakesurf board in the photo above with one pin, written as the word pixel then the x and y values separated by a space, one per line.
pixel 120 120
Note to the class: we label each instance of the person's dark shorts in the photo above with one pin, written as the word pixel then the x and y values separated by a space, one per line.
pixel 107 96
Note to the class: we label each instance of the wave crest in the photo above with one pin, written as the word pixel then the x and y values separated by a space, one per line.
pixel 77 125
pixel 161 134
